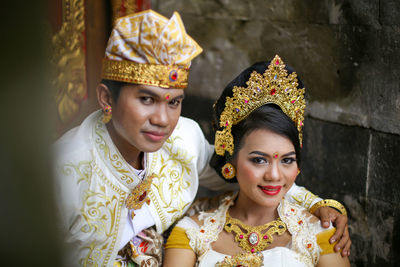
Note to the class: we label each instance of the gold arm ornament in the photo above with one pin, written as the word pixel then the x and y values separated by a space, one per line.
pixel 329 203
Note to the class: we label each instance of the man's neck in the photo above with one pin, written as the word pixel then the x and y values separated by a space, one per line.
pixel 131 154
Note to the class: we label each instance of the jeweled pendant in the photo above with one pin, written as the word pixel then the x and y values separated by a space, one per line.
pixel 253 238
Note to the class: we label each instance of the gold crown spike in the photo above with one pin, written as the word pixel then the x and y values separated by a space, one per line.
pixel 275 86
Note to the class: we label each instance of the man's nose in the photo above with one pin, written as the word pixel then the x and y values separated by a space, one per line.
pixel 160 115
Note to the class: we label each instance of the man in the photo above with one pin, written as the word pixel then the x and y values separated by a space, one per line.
pixel 125 176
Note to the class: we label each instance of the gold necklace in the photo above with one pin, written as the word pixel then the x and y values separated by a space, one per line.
pixel 254 238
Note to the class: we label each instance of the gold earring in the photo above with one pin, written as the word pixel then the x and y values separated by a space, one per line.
pixel 107 114
pixel 228 171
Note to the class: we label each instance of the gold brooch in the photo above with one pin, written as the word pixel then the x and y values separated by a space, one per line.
pixel 275 86
pixel 139 195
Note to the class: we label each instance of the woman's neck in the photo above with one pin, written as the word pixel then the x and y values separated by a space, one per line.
pixel 130 153
pixel 251 213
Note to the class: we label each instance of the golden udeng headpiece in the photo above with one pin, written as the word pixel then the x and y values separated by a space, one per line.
pixel 275 86
pixel 147 48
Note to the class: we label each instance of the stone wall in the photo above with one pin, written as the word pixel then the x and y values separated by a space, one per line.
pixel 347 54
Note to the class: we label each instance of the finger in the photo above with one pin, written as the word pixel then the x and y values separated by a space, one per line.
pixel 341 226
pixel 325 217
pixel 343 240
pixel 346 249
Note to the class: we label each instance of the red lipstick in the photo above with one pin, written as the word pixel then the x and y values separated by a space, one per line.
pixel 271 190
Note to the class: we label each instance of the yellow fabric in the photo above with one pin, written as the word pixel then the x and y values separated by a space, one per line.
pixel 323 241
pixel 178 239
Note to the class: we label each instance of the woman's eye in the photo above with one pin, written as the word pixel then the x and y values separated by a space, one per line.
pixel 288 160
pixel 259 160
pixel 146 100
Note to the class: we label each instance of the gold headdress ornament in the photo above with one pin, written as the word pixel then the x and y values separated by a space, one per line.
pixel 275 86
pixel 147 48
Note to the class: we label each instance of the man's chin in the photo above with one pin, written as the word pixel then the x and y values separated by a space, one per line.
pixel 152 147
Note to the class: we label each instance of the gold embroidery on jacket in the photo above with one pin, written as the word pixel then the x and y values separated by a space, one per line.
pixel 83 170
pixel 114 159
pixel 170 182
pixel 101 212
pixel 304 198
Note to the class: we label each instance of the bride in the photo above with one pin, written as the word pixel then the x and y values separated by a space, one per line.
pixel 257 144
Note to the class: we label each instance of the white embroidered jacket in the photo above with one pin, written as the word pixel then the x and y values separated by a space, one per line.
pixel 93 181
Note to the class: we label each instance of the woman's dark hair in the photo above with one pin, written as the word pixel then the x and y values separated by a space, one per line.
pixel 114 86
pixel 269 117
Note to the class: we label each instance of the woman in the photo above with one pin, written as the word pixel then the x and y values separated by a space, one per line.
pixel 260 115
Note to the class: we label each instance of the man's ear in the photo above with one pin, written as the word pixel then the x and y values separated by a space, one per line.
pixel 104 96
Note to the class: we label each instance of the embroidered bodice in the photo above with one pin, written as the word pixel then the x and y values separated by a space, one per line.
pixel 303 249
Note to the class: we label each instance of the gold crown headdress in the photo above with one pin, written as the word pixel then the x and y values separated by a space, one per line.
pixel 147 48
pixel 275 86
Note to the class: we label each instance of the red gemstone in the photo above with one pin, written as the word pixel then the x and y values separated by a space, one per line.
pixel 241 236
pixel 252 250
pixel 226 123
pixel 143 196
pixel 223 146
pixel 173 75
pixel 273 91
pixel 277 62
pixel 226 170
pixel 265 237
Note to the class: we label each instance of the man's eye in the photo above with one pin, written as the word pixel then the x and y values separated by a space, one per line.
pixel 175 102
pixel 259 160
pixel 288 160
pixel 146 100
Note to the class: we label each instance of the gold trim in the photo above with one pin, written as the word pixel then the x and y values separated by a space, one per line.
pixel 165 76
pixel 242 259
pixel 329 203
pixel 69 58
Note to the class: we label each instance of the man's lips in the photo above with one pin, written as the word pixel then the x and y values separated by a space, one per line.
pixel 271 190
pixel 155 136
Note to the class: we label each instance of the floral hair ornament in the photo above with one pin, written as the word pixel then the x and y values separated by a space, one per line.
pixel 228 171
pixel 275 86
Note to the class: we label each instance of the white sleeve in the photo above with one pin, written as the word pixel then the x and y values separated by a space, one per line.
pixel 208 178
pixel 301 196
